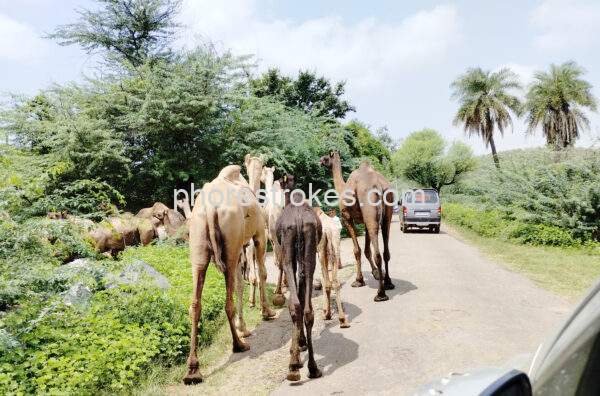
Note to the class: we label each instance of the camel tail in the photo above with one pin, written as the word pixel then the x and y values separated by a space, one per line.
pixel 216 239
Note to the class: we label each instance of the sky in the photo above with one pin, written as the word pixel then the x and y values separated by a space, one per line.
pixel 398 58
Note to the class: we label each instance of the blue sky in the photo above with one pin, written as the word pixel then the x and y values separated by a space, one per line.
pixel 398 57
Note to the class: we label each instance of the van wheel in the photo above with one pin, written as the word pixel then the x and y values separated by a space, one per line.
pixel 403 228
pixel 436 229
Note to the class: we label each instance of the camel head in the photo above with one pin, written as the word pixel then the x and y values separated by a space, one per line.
pixel 160 210
pixel 267 175
pixel 328 160
pixel 254 167
pixel 287 182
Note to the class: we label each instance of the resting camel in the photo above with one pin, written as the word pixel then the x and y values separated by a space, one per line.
pixel 362 200
pixel 329 256
pixel 220 231
pixel 274 208
pixel 299 233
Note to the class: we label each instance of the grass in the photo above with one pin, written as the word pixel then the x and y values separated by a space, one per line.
pixel 566 271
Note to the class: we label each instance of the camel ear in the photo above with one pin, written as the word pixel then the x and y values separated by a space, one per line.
pixel 247 159
pixel 331 153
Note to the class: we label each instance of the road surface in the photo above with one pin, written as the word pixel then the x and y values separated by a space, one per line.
pixel 451 310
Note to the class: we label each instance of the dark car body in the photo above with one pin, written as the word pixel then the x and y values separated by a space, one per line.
pixel 421 208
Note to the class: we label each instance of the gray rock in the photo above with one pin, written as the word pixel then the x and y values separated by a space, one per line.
pixel 78 295
pixel 136 273
pixel 81 270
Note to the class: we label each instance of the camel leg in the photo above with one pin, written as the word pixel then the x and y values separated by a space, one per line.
pixel 278 297
pixel 302 298
pixel 251 260
pixel 324 260
pixel 372 229
pixel 295 311
pixel 240 324
pixel 260 247
pixel 369 257
pixel 200 258
pixel 349 224
pixel 230 285
pixel 336 286
pixel 385 233
pixel 309 316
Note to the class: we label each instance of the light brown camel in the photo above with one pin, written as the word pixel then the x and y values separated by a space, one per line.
pixel 366 198
pixel 329 257
pixel 275 201
pixel 220 230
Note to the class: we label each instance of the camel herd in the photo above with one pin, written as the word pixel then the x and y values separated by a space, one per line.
pixel 235 232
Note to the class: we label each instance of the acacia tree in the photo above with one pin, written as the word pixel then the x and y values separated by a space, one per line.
pixel 556 100
pixel 486 104
pixel 308 92
pixel 134 31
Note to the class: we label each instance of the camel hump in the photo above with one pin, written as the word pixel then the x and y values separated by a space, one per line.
pixel 231 173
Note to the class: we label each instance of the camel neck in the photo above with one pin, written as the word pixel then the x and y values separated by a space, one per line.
pixel 338 180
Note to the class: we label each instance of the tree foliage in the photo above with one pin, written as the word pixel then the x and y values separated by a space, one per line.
pixel 135 31
pixel 555 100
pixel 486 103
pixel 423 158
pixel 364 145
pixel 307 92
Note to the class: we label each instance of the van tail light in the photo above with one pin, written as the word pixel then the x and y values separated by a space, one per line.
pixel 439 210
pixel 405 210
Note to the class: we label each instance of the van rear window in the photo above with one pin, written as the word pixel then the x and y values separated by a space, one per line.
pixel 426 196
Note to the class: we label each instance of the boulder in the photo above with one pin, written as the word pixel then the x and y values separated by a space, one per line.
pixel 137 273
pixel 78 295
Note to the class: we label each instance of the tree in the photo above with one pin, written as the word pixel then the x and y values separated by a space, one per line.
pixel 486 104
pixel 134 31
pixel 423 158
pixel 364 145
pixel 556 100
pixel 307 92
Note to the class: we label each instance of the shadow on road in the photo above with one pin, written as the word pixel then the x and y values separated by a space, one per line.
pixel 402 286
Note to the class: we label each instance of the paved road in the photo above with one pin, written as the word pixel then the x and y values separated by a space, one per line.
pixel 451 310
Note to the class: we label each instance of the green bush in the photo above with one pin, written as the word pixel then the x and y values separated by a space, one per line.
pixel 541 234
pixel 483 222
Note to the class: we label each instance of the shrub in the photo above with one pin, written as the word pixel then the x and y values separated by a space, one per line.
pixel 541 234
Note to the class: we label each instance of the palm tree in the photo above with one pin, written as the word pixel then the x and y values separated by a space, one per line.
pixel 486 104
pixel 555 100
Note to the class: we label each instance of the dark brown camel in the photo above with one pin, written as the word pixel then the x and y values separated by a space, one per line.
pixel 299 232
pixel 357 198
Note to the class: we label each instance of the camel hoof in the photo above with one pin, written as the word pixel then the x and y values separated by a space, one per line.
pixel 389 286
pixel 381 298
pixel 244 333
pixel 327 316
pixel 293 376
pixel 193 378
pixel 303 348
pixel 278 300
pixel 241 347
pixel 344 324
pixel 358 283
pixel 315 373
pixel 375 273
pixel 267 315
pixel 251 304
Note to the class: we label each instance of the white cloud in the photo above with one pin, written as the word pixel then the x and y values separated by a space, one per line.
pixel 566 24
pixel 18 41
pixel 366 53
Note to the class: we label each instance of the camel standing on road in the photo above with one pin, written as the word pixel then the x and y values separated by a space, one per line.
pixel 299 233
pixel 219 230
pixel 362 200
pixel 329 256
pixel 274 208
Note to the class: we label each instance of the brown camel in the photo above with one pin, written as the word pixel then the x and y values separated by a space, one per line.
pixel 220 230
pixel 366 198
pixel 274 207
pixel 329 257
pixel 299 233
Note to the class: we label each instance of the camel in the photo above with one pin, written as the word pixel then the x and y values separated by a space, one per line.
pixel 329 256
pixel 299 232
pixel 357 198
pixel 274 208
pixel 220 231
pixel 167 222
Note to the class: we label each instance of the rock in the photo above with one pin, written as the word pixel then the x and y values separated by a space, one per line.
pixel 78 295
pixel 82 270
pixel 7 341
pixel 135 273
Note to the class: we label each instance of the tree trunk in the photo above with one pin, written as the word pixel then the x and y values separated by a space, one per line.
pixel 494 153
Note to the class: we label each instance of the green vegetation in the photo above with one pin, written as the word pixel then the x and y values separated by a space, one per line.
pixel 109 344
pixel 423 158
